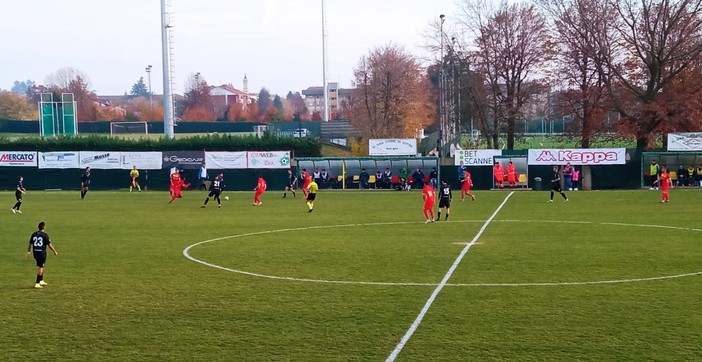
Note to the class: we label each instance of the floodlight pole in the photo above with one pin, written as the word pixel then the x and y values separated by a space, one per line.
pixel 325 102
pixel 151 93
pixel 166 59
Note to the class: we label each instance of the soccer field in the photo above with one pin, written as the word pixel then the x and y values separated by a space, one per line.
pixel 610 275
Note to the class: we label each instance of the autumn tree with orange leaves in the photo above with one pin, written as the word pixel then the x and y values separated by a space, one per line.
pixel 391 93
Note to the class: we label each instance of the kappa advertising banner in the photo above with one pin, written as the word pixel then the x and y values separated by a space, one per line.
pixel 142 160
pixel 226 160
pixel 579 156
pixel 392 147
pixel 691 141
pixel 269 159
pixel 59 159
pixel 105 160
pixel 476 157
pixel 18 158
pixel 182 159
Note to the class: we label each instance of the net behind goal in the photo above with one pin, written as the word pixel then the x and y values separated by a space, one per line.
pixel 117 128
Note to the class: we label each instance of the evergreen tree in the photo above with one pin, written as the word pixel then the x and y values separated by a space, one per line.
pixel 139 89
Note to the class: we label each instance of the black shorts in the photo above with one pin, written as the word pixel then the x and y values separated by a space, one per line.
pixel 214 193
pixel 18 196
pixel 311 196
pixel 444 202
pixel 556 188
pixel 290 186
pixel 40 259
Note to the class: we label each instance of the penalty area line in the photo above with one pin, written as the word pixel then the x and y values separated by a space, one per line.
pixel 443 283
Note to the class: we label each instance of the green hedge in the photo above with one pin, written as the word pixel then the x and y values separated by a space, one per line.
pixel 302 147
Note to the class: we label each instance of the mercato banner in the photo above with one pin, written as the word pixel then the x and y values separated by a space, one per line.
pixel 577 156
pixel 18 158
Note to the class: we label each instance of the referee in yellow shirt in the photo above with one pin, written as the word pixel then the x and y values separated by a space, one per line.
pixel 134 174
pixel 312 194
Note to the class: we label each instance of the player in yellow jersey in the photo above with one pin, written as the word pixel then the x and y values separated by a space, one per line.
pixel 312 189
pixel 134 174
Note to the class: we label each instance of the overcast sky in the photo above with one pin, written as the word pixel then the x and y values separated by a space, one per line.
pixel 276 43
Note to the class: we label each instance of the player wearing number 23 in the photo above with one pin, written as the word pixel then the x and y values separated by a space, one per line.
pixel 38 243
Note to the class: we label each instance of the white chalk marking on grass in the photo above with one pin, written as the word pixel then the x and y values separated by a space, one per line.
pixel 441 285
pixel 186 253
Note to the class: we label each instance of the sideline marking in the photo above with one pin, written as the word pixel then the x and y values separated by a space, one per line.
pixel 441 285
pixel 186 253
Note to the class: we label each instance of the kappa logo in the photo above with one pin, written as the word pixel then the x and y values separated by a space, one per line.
pixel 578 156
pixel 546 156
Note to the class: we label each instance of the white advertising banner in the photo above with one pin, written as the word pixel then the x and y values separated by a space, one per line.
pixel 18 158
pixel 475 157
pixel 578 156
pixel 691 141
pixel 227 160
pixel 66 159
pixel 142 160
pixel 392 147
pixel 269 159
pixel 101 160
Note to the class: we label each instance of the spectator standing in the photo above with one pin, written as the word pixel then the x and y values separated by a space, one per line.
pixel 576 178
pixel 699 175
pixel 568 177
pixel 690 177
pixel 433 177
pixel 378 179
pixel 363 178
pixel 203 176
pixel 653 171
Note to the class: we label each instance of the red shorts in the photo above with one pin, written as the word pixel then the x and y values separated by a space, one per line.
pixel 465 187
pixel 429 205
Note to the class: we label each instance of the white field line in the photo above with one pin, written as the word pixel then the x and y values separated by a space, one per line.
pixel 441 285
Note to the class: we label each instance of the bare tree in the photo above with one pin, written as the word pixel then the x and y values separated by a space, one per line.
pixel 580 25
pixel 512 44
pixel 658 46
pixel 63 77
pixel 391 95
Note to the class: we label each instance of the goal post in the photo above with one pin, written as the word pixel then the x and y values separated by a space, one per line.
pixel 117 128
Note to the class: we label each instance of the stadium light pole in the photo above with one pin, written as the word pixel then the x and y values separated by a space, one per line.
pixel 325 102
pixel 442 123
pixel 168 109
pixel 151 93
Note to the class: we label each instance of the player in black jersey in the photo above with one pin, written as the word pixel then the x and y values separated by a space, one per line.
pixel 84 182
pixel 292 180
pixel 445 197
pixel 216 188
pixel 19 191
pixel 556 184
pixel 38 243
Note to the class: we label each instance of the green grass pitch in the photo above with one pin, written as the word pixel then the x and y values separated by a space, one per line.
pixel 544 282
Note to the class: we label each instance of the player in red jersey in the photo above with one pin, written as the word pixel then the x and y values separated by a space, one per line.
pixel 306 179
pixel 466 185
pixel 261 187
pixel 429 197
pixel 665 182
pixel 177 186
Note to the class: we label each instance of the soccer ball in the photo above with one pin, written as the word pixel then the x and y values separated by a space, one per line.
pixel 226 198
